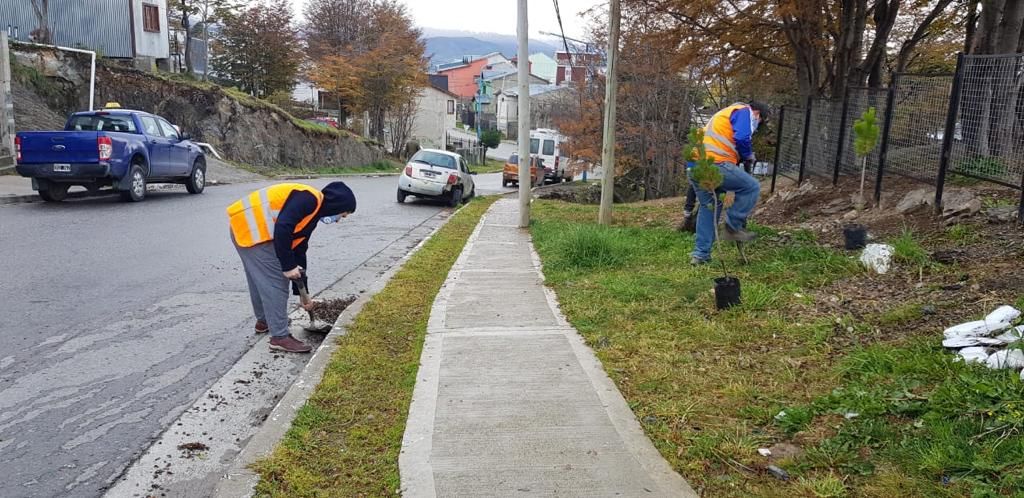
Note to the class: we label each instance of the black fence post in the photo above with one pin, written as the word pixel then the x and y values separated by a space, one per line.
pixel 950 130
pixel 883 153
pixel 842 136
pixel 1020 207
pixel 778 147
pixel 806 140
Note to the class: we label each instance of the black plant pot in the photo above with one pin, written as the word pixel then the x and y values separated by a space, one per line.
pixel 727 292
pixel 855 236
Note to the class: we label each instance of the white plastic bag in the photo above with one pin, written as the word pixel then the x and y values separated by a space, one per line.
pixel 1007 358
pixel 877 257
pixel 1003 314
pixel 1011 336
pixel 974 354
pixel 996 321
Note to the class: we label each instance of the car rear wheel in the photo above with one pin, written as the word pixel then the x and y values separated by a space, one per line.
pixel 401 196
pixel 137 185
pixel 197 180
pixel 456 197
pixel 54 192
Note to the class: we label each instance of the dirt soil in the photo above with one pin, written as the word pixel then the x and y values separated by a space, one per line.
pixel 329 310
pixel 965 276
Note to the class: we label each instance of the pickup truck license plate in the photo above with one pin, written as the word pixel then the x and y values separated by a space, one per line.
pixel 62 168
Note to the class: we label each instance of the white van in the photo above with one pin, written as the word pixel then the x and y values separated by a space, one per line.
pixel 544 143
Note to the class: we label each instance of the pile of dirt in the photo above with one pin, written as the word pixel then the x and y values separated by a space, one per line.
pixel 330 309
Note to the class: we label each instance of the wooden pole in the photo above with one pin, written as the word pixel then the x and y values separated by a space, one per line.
pixel 608 140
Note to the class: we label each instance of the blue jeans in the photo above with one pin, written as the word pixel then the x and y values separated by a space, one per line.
pixel 747 190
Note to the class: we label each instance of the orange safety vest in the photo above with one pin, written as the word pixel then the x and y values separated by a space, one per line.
pixel 719 143
pixel 253 216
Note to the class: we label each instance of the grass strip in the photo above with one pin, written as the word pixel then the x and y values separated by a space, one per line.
pixel 346 439
pixel 869 406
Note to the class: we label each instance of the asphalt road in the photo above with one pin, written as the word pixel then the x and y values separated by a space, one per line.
pixel 115 317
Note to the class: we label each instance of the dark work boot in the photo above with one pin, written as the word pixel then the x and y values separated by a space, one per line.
pixel 289 344
pixel 738 235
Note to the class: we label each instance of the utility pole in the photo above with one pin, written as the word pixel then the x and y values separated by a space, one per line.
pixel 523 63
pixel 608 141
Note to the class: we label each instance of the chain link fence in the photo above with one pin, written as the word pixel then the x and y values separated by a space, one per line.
pixel 970 123
pixel 987 136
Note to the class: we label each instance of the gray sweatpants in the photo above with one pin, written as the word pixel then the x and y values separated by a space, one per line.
pixel 268 287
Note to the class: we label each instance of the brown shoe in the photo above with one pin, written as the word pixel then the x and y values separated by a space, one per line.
pixel 261 327
pixel 289 344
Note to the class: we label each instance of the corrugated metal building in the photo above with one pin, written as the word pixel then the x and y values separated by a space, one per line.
pixel 126 29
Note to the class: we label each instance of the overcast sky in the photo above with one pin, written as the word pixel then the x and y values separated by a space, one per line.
pixel 493 16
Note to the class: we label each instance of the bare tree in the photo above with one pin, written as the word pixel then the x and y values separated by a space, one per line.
pixel 42 33
pixel 400 120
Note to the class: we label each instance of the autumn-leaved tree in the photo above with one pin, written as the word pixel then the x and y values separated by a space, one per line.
pixel 258 49
pixel 384 74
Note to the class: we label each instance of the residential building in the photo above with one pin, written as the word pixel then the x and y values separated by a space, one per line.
pixel 435 115
pixel 576 66
pixel 118 29
pixel 462 75
pixel 544 66
pixel 548 103
pixel 498 79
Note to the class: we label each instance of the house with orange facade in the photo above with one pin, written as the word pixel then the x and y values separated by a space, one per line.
pixel 462 75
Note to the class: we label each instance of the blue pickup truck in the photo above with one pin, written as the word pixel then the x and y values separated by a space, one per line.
pixel 117 148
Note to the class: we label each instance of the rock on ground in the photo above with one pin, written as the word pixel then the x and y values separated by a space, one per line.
pixel 960 203
pixel 915 200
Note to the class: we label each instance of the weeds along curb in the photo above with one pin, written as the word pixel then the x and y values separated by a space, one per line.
pixel 240 480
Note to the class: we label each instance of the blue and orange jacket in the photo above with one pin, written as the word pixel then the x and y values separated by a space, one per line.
pixel 728 135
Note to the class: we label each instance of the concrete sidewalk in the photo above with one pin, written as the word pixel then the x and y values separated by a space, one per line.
pixel 509 401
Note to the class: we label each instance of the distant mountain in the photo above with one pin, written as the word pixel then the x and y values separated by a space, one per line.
pixel 452 46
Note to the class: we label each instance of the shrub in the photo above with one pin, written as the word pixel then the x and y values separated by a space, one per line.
pixel 490 138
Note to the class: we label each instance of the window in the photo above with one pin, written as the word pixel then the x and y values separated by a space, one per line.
pixel 434 159
pixel 149 126
pixel 95 122
pixel 451 107
pixel 168 130
pixel 513 159
pixel 534 145
pixel 549 147
pixel 150 18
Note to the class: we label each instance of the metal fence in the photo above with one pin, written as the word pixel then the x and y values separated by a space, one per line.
pixel 471 150
pixel 969 123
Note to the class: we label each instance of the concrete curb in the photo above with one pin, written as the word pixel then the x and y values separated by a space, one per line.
pixel 240 481
pixel 338 175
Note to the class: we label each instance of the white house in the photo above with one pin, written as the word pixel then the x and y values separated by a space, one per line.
pixel 547 103
pixel 435 115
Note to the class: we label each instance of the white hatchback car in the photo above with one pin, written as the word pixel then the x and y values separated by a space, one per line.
pixel 437 174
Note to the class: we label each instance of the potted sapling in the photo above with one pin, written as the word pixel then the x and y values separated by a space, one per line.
pixel 865 137
pixel 707 175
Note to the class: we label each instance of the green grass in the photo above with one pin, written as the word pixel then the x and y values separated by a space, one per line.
pixel 963 234
pixel 346 439
pixel 878 410
pixel 907 250
pixel 492 166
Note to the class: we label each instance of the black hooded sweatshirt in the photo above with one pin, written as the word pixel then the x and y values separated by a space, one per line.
pixel 338 198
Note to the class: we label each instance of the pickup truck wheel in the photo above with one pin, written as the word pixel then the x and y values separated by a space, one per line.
pixel 456 197
pixel 197 180
pixel 54 192
pixel 137 187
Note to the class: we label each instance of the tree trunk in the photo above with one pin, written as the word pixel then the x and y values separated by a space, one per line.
pixel 187 26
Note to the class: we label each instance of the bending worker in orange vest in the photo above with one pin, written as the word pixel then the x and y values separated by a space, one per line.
pixel 728 140
pixel 270 229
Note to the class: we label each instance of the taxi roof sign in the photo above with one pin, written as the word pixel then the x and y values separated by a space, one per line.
pixel 112 105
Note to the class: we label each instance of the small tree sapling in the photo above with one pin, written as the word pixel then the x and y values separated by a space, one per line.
pixel 706 174
pixel 865 137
